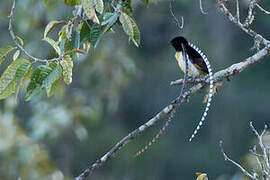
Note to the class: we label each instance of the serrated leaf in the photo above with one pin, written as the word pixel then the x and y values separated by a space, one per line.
pixel 107 18
pixel 35 86
pixel 73 43
pixel 54 44
pixel 50 26
pixel 137 35
pixel 126 22
pixel 62 33
pixel 72 2
pixel 99 35
pixel 95 33
pixel 8 90
pixel 126 7
pixel 84 32
pixel 53 76
pixel 9 74
pixel 89 10
pixel 67 66
pixel 22 74
pixel 4 51
pixel 16 55
pixel 99 6
pixel 54 87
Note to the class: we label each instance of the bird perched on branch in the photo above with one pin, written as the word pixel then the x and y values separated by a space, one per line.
pixel 198 65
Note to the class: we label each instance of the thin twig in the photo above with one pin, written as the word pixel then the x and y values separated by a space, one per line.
pixel 235 163
pixel 254 152
pixel 176 21
pixel 249 31
pixel 262 146
pixel 237 11
pixel 17 43
pixel 250 16
pixel 262 9
pixel 201 7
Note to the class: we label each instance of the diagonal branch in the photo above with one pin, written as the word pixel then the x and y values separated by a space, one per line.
pixel 218 76
pixel 234 69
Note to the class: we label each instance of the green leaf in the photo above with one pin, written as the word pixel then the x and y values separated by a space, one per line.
pixel 62 33
pixel 147 3
pixel 107 18
pixel 16 55
pixel 50 26
pixel 9 74
pixel 126 7
pixel 73 43
pixel 54 87
pixel 84 32
pixel 72 2
pixel 22 74
pixel 35 86
pixel 4 51
pixel 54 44
pixel 99 35
pixel 20 40
pixel 9 90
pixel 137 35
pixel 90 10
pixel 99 6
pixel 126 22
pixel 95 33
pixel 67 66
pixel 52 77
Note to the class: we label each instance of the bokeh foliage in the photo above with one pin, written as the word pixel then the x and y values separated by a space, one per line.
pixel 117 86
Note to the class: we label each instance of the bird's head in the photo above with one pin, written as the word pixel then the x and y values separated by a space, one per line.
pixel 177 43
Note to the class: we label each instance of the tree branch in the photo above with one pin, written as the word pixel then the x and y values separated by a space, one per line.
pixel 201 83
pixel 235 163
pixel 261 159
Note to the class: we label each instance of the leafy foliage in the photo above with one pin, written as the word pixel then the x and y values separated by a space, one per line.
pixel 67 65
pixel 4 51
pixel 90 22
pixel 8 80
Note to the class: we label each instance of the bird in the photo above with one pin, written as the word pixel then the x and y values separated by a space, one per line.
pixel 198 66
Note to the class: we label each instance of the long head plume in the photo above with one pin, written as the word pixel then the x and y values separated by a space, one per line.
pixel 211 82
pixel 161 131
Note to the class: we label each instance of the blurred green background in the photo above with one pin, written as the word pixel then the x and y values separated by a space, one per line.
pixel 118 87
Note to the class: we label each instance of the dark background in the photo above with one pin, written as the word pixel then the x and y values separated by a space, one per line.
pixel 118 87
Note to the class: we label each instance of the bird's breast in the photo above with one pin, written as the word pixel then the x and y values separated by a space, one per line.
pixel 192 70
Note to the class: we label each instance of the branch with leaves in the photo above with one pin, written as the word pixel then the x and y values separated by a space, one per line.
pixel 76 36
pixel 263 159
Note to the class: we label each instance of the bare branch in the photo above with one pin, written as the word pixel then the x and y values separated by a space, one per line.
pixel 176 21
pixel 262 9
pixel 232 70
pixel 14 38
pixel 249 31
pixel 201 83
pixel 201 7
pixel 235 163
pixel 218 76
pixel 237 11
pixel 250 16
pixel 262 146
